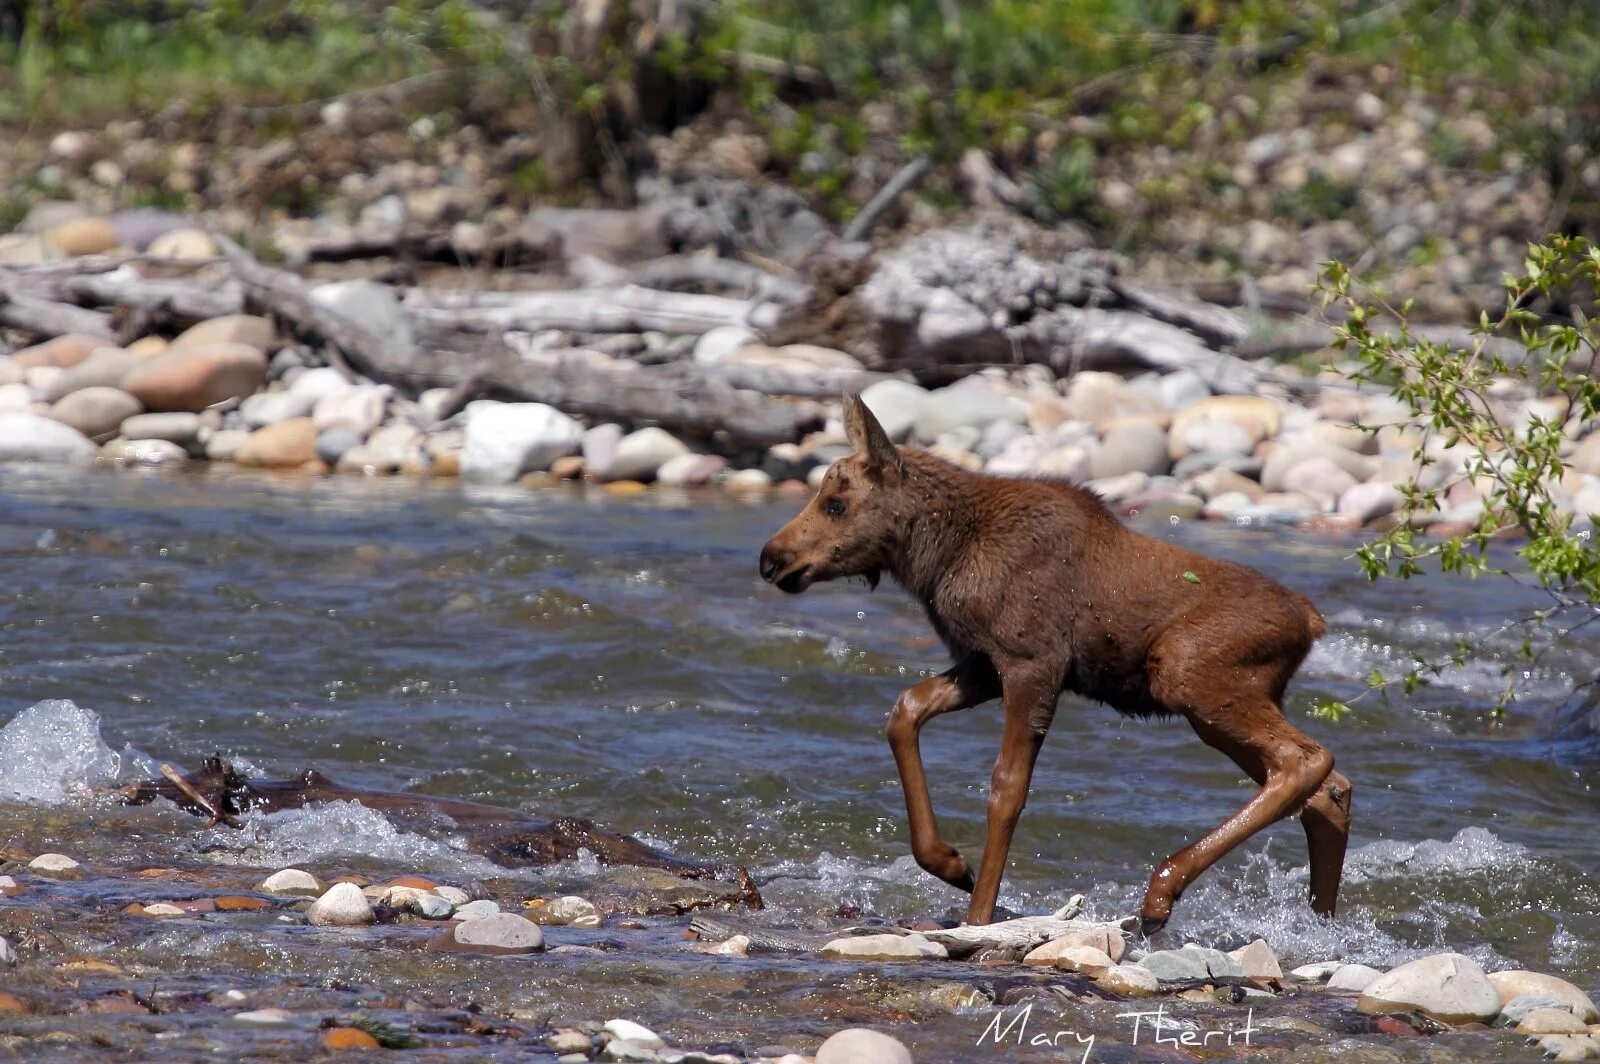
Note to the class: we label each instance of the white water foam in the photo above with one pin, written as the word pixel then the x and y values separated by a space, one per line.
pixel 339 830
pixel 52 752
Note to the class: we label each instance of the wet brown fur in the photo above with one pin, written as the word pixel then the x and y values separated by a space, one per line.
pixel 1037 588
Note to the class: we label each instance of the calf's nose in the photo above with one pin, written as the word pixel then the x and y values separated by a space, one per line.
pixel 772 562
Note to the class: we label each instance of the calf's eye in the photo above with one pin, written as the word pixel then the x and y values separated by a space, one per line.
pixel 835 507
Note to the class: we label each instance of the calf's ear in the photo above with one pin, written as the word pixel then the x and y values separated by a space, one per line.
pixel 868 438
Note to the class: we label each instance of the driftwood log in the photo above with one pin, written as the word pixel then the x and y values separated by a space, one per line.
pixel 507 837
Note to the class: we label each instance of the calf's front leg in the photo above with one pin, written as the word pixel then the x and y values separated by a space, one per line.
pixel 963 686
pixel 1030 701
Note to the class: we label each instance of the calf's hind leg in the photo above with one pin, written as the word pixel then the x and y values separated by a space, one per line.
pixel 1326 819
pixel 1289 766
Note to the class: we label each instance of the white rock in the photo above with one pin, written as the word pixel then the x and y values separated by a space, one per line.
pixel 162 908
pixel 506 440
pixel 1374 499
pixel 896 404
pixel 737 946
pixel 269 408
pixel 628 1031
pixel 290 881
pixel 32 438
pixel 342 906
pixel 718 344
pixel 174 427
pixel 222 445
pixel 1517 983
pixel 53 862
pixel 748 480
pixel 640 455
pixel 8 956
pixel 360 409
pixel 477 910
pixel 860 1045
pixel 1352 979
pixel 1315 973
pixel 1551 1021
pixel 1258 960
pixel 1129 979
pixel 262 1017
pixel 318 383
pixel 1182 389
pixel 884 948
pixel 144 452
pixel 1446 986
pixel 500 931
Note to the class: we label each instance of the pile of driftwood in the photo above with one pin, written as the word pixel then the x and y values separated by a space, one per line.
pixel 642 283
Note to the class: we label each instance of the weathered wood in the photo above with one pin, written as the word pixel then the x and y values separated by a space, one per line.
pixel 1023 933
pixel 626 308
pixel 908 177
pixel 281 293
pixel 776 380
pixel 47 318
pixel 1216 325
pixel 677 271
pixel 182 300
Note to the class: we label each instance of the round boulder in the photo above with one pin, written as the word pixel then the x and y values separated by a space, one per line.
pixel 896 404
pixel 861 1045
pixel 1135 448
pixel 640 455
pixel 32 438
pixel 193 377
pixel 285 445
pixel 504 934
pixel 1447 986
pixel 96 411
pixel 1516 983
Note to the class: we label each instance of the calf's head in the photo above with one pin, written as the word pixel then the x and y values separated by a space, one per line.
pixel 853 524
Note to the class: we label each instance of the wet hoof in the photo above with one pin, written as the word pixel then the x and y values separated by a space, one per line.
pixel 1149 926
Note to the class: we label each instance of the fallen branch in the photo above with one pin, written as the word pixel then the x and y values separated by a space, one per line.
pixel 626 308
pixel 356 350
pixel 676 271
pixel 47 318
pixel 908 177
pixel 188 301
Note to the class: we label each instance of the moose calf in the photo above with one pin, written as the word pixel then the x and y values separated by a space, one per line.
pixel 1037 588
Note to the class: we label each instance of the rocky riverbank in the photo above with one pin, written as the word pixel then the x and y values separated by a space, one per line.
pixel 1174 427
pixel 82 964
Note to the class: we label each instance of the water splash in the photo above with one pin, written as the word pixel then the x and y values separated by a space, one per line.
pixel 52 752
pixel 340 830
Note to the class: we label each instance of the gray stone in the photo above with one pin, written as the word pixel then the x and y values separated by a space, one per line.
pixel 332 444
pixel 221 446
pixel 1551 1020
pixel 431 907
pixel 1201 461
pixel 690 470
pixel 506 440
pixel 319 383
pixel 1352 978
pixel 1116 489
pixel 861 1045
pixel 897 405
pixel 96 411
pixel 8 956
pixel 262 1018
pixel 1319 972
pixel 105 367
pixel 637 1033
pixel 181 428
pixel 369 304
pixel 953 407
pixel 1320 478
pixel 343 905
pixel 599 447
pixel 1288 454
pixel 997 436
pixel 505 933
pixel 1183 388
pixel 1258 960
pixel 268 408
pixel 1446 986
pixel 1512 1012
pixel 1191 965
pixel 33 438
pixel 639 455
pixel 55 866
pixel 477 910
pixel 1131 449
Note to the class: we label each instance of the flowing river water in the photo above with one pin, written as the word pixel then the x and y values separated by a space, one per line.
pixel 575 653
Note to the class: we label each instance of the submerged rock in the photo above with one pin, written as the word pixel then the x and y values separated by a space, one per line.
pixel 1446 986
pixel 1191 964
pixel 503 934
pixel 55 866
